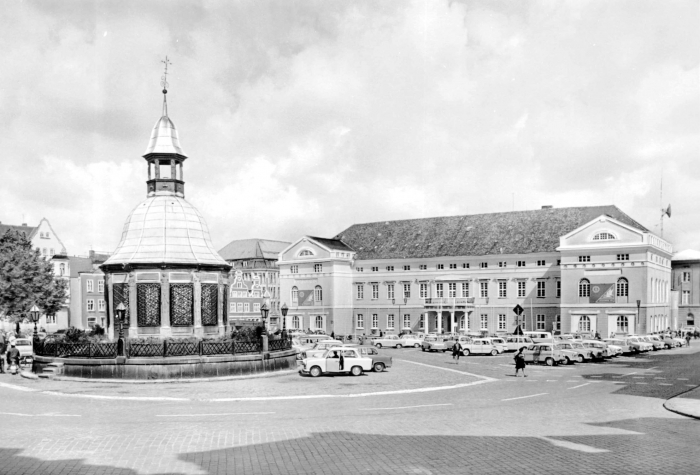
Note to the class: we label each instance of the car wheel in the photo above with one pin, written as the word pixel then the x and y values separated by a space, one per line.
pixel 580 358
pixel 416 345
pixel 378 367
pixel 568 360
pixel 549 362
pixel 398 347
pixel 494 352
pixel 465 352
pixel 378 345
pixel 356 370
pixel 315 372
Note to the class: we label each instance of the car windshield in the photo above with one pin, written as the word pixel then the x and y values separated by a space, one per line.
pixel 23 343
pixel 577 345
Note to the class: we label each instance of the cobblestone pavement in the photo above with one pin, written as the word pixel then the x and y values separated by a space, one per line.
pixel 589 418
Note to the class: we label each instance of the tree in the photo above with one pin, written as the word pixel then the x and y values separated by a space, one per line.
pixel 26 279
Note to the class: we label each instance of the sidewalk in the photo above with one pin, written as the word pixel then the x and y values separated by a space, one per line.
pixel 686 404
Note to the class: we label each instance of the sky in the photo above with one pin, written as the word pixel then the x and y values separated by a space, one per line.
pixel 305 117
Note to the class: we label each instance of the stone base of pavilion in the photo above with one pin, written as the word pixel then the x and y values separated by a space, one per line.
pixel 176 367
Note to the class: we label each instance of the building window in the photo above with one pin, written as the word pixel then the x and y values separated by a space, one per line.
pixel 453 266
pixel 375 269
pixel 463 322
pixel 540 288
pixel 319 322
pixel 540 322
pixel 622 287
pixel 484 289
pixel 424 291
pixel 484 265
pixel 294 269
pixel 51 253
pixel 558 288
pixel 305 253
pixel 501 321
pixel 557 323
pixel 232 307
pixel 256 307
pixel 440 266
pixel 465 265
pixel 360 292
pixel 318 294
pixel 584 258
pixel 295 295
pixel 521 288
pixel 685 297
pixel 91 321
pixel 390 291
pixel 90 305
pixel 360 321
pixel 604 237
pixel 318 267
pixel 502 264
pixel 296 324
pixel 246 307
pixel 541 263
pixel 521 263
pixel 584 288
pixel 45 252
pixel 100 305
pixel 686 276
pixel 484 321
pixel 240 307
pixel 375 321
pixel 622 324
pixel 390 321
pixel 439 293
pixel 465 289
pixel 50 319
pixel 421 322
pixel 423 267
pixel 359 269
pixel 452 289
pixel 390 268
pixel 101 286
pixel 623 257
pixel 502 293
pixel 584 324
pixel 406 267
pixel 90 285
pixel 406 320
pixel 407 291
pixel 62 269
pixel 375 291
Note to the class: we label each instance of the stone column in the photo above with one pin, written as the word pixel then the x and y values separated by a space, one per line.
pixel 165 328
pixel 111 329
pixel 149 171
pixel 220 305
pixel 157 165
pixel 439 321
pixel 133 318
pixel 452 322
pixel 198 330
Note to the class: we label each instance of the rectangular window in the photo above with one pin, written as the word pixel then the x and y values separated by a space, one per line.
pixel 390 268
pixel 50 319
pixel 407 291
pixel 502 286
pixel 423 267
pixel 240 307
pixel 521 263
pixel 465 265
pixel 91 305
pixel 375 269
pixel 453 266
pixel 685 298
pixel 502 264
pixel 406 320
pixel 359 269
pixel 360 321
pixel 484 265
pixel 421 322
pixel 540 322
pixel 232 307
pixel 439 293
pixel 558 288
pixel 390 321
pixel 406 267
pixel 501 321
pixel 686 276
pixel 101 286
pixel 521 288
pixel 424 291
pixel 246 307
pixel 390 291
pixel 375 321
pixel 557 323
pixel 318 267
pixel 540 288
pixel 584 258
pixel 465 289
pixel 90 285
pixel 294 269
pixel 256 307
pixel 484 289
pixel 541 263
pixel 440 266
pixel 623 257
pixel 375 291
pixel 360 292
pixel 452 289
pixel 100 305
pixel 484 321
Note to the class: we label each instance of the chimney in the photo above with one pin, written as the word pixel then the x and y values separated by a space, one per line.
pixel 91 254
pixel 547 207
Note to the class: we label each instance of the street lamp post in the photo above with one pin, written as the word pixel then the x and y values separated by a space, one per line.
pixel 264 310
pixel 639 317
pixel 284 311
pixel 35 313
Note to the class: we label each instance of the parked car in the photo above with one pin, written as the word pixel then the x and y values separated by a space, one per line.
pixel 673 342
pixel 319 348
pixel 379 361
pixel 515 342
pixel 574 352
pixel 26 349
pixel 479 346
pixel 390 341
pixel 667 344
pixel 538 336
pixel 329 363
pixel 619 343
pixel 637 345
pixel 412 340
pixel 437 344
pixel 546 353
pixel 599 348
pixel 657 344
pixel 499 343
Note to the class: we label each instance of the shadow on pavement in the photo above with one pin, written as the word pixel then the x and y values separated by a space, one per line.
pixel 13 463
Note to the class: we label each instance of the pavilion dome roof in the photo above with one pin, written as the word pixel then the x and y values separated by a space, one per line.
pixel 165 229
pixel 164 138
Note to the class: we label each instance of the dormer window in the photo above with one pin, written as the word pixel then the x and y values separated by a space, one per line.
pixel 604 236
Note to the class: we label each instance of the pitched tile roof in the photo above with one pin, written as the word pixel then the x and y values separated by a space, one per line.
pixel 80 264
pixel 517 232
pixel 27 230
pixel 252 248
pixel 335 243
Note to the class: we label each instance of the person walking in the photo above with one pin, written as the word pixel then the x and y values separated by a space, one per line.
pixel 520 362
pixel 3 348
pixel 456 351
pixel 13 358
pixel 687 339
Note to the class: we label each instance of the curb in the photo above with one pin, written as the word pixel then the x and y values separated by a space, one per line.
pixel 173 381
pixel 688 408
pixel 28 375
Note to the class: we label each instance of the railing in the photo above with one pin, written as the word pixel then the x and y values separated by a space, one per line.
pixel 247 346
pixel 449 301
pixel 77 350
pixel 279 345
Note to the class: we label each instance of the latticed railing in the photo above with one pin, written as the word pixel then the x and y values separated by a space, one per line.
pixel 217 347
pixel 144 349
pixel 247 346
pixel 181 305
pixel 77 350
pixel 210 298
pixel 279 345
pixel 184 348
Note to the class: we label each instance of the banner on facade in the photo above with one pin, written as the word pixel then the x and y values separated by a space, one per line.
pixel 602 293
pixel 306 298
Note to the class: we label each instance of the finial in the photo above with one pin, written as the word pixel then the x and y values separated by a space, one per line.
pixel 164 84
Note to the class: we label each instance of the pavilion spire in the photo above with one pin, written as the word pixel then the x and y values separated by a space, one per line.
pixel 164 84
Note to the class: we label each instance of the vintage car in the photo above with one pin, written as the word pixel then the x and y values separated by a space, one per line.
pixel 546 353
pixel 479 346
pixel 598 347
pixel 436 344
pixel 515 342
pixel 379 361
pixel 618 343
pixel 570 353
pixel 390 341
pixel 673 342
pixel 336 360
pixel 26 349
pixel 499 343
pixel 657 344
pixel 667 344
pixel 318 349
pixel 412 340
pixel 583 353
pixel 637 345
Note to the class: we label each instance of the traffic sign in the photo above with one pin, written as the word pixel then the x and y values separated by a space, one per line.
pixel 518 310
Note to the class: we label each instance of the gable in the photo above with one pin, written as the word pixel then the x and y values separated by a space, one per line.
pixel 603 232
pixel 305 249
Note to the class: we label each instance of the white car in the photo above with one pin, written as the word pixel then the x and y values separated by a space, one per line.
pixel 515 342
pixel 479 346
pixel 336 360
pixel 319 348
pixel 619 343
pixel 391 341
pixel 411 340
pixel 499 343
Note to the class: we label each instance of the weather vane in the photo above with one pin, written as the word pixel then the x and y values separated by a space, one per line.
pixel 164 79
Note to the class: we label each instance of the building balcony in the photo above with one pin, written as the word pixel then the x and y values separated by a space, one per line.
pixel 467 302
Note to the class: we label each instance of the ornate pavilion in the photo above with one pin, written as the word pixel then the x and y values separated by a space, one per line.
pixel 165 270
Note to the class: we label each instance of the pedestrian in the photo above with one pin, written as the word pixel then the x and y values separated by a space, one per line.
pixel 456 351
pixel 3 348
pixel 597 335
pixel 13 358
pixel 697 334
pixel 520 362
pixel 687 339
pixel 333 335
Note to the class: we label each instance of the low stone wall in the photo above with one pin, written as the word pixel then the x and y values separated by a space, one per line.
pixel 178 367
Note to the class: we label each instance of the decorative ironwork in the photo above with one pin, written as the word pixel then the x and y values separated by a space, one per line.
pixel 65 350
pixel 210 297
pixel 145 349
pixel 247 346
pixel 148 304
pixel 181 305
pixel 279 345
pixel 217 347
pixel 121 295
pixel 103 350
pixel 184 348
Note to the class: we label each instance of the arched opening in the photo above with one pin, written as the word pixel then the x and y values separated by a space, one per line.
pixel 690 320
pixel 318 294
pixel 584 288
pixel 295 295
pixel 584 324
pixel 319 322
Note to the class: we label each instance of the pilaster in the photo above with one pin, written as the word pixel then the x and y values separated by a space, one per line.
pixel 165 329
pixel 133 307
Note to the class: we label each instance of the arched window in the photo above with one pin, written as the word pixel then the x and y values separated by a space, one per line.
pixel 584 288
pixel 319 322
pixel 584 324
pixel 691 319
pixel 622 287
pixel 295 322
pixel 604 236
pixel 622 324
pixel 305 252
pixel 295 295
pixel 62 269
pixel 318 294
